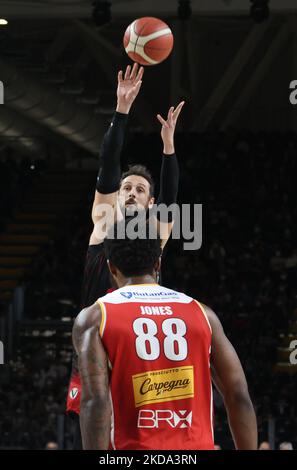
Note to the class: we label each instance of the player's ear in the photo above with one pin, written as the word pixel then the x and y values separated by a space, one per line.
pixel 111 268
pixel 157 266
pixel 151 202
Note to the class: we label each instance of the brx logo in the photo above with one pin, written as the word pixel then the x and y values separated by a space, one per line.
pixel 164 418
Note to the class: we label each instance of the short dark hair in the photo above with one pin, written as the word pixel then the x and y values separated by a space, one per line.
pixel 140 170
pixel 132 257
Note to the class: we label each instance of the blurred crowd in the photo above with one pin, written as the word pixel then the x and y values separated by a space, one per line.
pixel 16 175
pixel 246 271
pixel 55 282
pixel 32 396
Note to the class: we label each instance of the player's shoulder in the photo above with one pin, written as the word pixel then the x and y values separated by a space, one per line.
pixel 210 314
pixel 88 317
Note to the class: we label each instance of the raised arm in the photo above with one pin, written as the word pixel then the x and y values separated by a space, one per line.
pixel 169 176
pixel 110 153
pixel 95 407
pixel 228 377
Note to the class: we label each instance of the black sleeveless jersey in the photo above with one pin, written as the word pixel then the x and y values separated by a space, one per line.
pixel 96 282
pixel 97 278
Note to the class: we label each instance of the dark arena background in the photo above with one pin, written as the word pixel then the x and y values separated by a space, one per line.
pixel 234 63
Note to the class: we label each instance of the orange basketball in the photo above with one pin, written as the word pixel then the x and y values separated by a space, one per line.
pixel 148 41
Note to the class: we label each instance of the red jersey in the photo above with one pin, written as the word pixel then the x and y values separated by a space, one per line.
pixel 158 343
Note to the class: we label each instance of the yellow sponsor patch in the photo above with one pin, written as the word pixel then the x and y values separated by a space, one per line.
pixel 163 385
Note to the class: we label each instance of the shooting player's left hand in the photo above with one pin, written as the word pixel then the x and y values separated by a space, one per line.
pixel 168 127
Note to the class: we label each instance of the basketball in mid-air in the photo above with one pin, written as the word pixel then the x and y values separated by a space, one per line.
pixel 148 41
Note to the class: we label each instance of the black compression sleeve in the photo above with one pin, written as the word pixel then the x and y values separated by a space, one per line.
pixel 110 155
pixel 169 179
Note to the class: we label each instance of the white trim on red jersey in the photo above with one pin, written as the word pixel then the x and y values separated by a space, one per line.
pixel 204 313
pixel 112 422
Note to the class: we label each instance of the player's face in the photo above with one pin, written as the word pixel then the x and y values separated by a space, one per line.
pixel 135 193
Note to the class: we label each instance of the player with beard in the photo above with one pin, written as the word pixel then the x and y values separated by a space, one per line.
pixel 132 190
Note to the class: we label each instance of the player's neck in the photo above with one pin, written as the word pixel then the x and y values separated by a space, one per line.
pixel 146 279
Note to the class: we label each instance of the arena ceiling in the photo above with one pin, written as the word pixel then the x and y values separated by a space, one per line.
pixel 81 8
pixel 68 65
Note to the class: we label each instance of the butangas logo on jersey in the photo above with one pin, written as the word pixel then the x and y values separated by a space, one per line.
pixel 73 393
pixel 127 295
pixel 150 295
pixel 164 419
pixel 163 385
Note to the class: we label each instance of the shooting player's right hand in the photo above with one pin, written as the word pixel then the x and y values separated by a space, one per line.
pixel 128 87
